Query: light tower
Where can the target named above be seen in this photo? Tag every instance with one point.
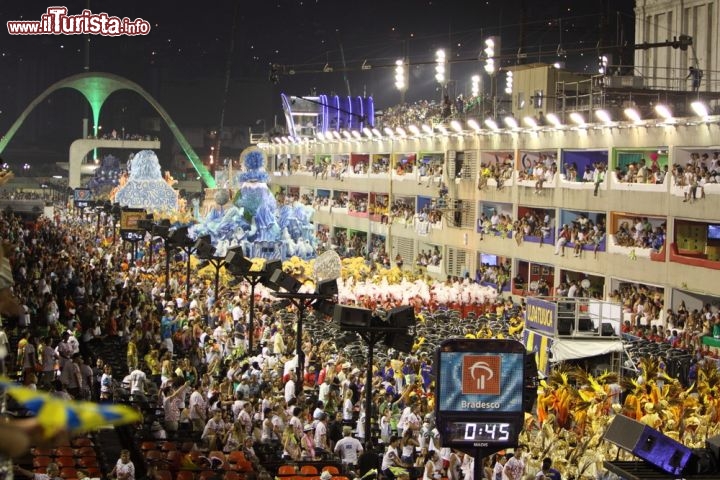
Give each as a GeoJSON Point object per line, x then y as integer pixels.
{"type": "Point", "coordinates": [401, 78]}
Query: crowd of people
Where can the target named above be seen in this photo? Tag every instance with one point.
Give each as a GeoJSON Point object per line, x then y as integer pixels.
{"type": "Point", "coordinates": [189, 356]}
{"type": "Point", "coordinates": [20, 194]}
{"type": "Point", "coordinates": [115, 135]}
{"type": "Point", "coordinates": [640, 233]}
{"type": "Point", "coordinates": [431, 257]}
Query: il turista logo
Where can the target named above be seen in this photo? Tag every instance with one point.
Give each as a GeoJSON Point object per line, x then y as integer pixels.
{"type": "Point", "coordinates": [481, 374]}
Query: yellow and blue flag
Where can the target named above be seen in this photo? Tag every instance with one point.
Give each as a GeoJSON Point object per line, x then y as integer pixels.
{"type": "Point", "coordinates": [56, 414]}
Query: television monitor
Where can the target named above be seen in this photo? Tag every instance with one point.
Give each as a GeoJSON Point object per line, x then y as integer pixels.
{"type": "Point", "coordinates": [713, 232]}
{"type": "Point", "coordinates": [486, 259]}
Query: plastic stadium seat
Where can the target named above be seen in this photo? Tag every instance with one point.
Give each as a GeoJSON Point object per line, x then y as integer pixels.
{"type": "Point", "coordinates": [41, 461]}
{"type": "Point", "coordinates": [94, 472]}
{"type": "Point", "coordinates": [65, 461]}
{"type": "Point", "coordinates": [185, 475]}
{"type": "Point", "coordinates": [173, 457]}
{"type": "Point", "coordinates": [286, 470]}
{"type": "Point", "coordinates": [68, 472]}
{"type": "Point", "coordinates": [85, 452]}
{"type": "Point", "coordinates": [168, 446]}
{"type": "Point", "coordinates": [332, 469]}
{"type": "Point", "coordinates": [82, 442]}
{"type": "Point", "coordinates": [87, 462]}
{"type": "Point", "coordinates": [308, 470]}
{"type": "Point", "coordinates": [64, 452]}
{"type": "Point", "coordinates": [208, 475]}
{"type": "Point", "coordinates": [148, 445]}
{"type": "Point", "coordinates": [43, 452]}
{"type": "Point", "coordinates": [154, 455]}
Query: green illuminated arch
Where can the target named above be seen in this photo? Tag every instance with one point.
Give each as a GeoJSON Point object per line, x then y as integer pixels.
{"type": "Point", "coordinates": [96, 87]}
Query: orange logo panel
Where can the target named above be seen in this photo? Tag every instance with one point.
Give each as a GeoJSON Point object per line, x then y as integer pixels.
{"type": "Point", "coordinates": [481, 375]}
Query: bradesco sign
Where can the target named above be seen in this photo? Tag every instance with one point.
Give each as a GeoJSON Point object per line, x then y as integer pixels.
{"type": "Point", "coordinates": [540, 315]}
{"type": "Point", "coordinates": [480, 376]}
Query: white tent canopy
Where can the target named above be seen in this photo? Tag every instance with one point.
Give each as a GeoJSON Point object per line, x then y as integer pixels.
{"type": "Point", "coordinates": [563, 350]}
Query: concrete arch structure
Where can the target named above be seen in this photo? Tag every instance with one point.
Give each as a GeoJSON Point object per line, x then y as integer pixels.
{"type": "Point", "coordinates": [80, 148]}
{"type": "Point", "coordinates": [96, 87]}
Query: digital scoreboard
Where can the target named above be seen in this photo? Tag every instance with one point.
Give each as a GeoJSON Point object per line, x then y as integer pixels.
{"type": "Point", "coordinates": [82, 197]}
{"type": "Point", "coordinates": [480, 388]}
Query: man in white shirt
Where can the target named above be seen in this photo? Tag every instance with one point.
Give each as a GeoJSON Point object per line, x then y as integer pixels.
{"type": "Point", "coordinates": [348, 448]}
{"type": "Point", "coordinates": [245, 418]}
{"type": "Point", "coordinates": [290, 388]}
{"type": "Point", "coordinates": [296, 423]}
{"type": "Point", "coordinates": [321, 440]}
{"type": "Point", "coordinates": [391, 458]}
{"type": "Point", "coordinates": [324, 390]}
{"type": "Point", "coordinates": [137, 384]}
{"type": "Point", "coordinates": [198, 410]}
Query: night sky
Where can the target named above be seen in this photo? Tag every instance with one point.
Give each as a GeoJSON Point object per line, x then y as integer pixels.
{"type": "Point", "coordinates": [184, 59]}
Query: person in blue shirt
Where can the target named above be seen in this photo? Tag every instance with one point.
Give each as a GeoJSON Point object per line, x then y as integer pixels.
{"type": "Point", "coordinates": [547, 472]}
{"type": "Point", "coordinates": [426, 371]}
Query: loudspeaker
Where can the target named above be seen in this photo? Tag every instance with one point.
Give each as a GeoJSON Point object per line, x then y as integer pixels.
{"type": "Point", "coordinates": [352, 316]}
{"type": "Point", "coordinates": [649, 444]}
{"type": "Point", "coordinates": [564, 326]}
{"type": "Point", "coordinates": [530, 381]}
{"type": "Point", "coordinates": [402, 342]}
{"type": "Point", "coordinates": [585, 324]}
{"type": "Point", "coordinates": [285, 281]}
{"type": "Point", "coordinates": [271, 266]}
{"type": "Point", "coordinates": [713, 444]}
{"type": "Point", "coordinates": [624, 432]}
{"type": "Point", "coordinates": [236, 261]}
{"type": "Point", "coordinates": [401, 317]}
{"type": "Point", "coordinates": [607, 330]}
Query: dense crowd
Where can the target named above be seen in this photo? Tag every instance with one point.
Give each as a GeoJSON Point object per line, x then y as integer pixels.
{"type": "Point", "coordinates": [640, 234]}
{"type": "Point", "coordinates": [190, 358]}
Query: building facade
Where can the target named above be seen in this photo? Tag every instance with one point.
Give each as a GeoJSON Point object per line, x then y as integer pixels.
{"type": "Point", "coordinates": [667, 68]}
{"type": "Point", "coordinates": [443, 172]}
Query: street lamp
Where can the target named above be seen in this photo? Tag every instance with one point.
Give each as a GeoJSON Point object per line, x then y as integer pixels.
{"type": "Point", "coordinates": [440, 61]}
{"type": "Point", "coordinates": [401, 78]}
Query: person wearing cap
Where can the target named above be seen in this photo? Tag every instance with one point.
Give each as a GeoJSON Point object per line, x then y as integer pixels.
{"type": "Point", "coordinates": [321, 438]}
{"type": "Point", "coordinates": [348, 448]}
{"type": "Point", "coordinates": [307, 442]}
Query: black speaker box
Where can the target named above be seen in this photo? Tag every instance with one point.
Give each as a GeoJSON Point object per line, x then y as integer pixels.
{"type": "Point", "coordinates": [713, 445]}
{"type": "Point", "coordinates": [624, 432]}
{"type": "Point", "coordinates": [351, 316]}
{"type": "Point", "coordinates": [649, 444]}
{"type": "Point", "coordinates": [608, 330]}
